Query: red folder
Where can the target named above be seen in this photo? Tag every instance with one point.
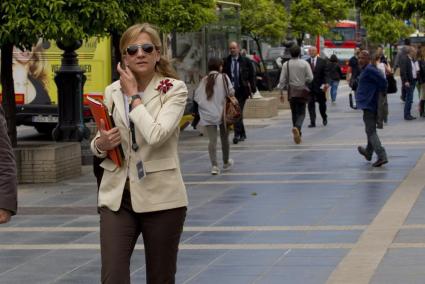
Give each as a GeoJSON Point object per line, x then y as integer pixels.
{"type": "Point", "coordinates": [100, 111]}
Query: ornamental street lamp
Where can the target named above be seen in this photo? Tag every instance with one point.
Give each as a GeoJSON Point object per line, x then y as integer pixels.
{"type": "Point", "coordinates": [70, 80]}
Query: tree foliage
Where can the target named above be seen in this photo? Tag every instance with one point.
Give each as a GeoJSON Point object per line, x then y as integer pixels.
{"type": "Point", "coordinates": [385, 28]}
{"type": "Point", "coordinates": [403, 9]}
{"type": "Point", "coordinates": [263, 19]}
{"type": "Point", "coordinates": [316, 16]}
{"type": "Point", "coordinates": [23, 22]}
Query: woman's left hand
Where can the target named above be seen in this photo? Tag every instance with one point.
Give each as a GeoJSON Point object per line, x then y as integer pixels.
{"type": "Point", "coordinates": [127, 80]}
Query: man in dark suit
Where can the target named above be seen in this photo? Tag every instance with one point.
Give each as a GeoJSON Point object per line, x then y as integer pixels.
{"type": "Point", "coordinates": [409, 75]}
{"type": "Point", "coordinates": [318, 87]}
{"type": "Point", "coordinates": [241, 71]}
{"type": "Point", "coordinates": [8, 181]}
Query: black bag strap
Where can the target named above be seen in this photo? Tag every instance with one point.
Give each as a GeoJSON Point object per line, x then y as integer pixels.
{"type": "Point", "coordinates": [287, 68]}
{"type": "Point", "coordinates": [226, 87]}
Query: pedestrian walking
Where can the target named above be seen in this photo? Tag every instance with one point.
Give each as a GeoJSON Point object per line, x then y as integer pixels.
{"type": "Point", "coordinates": [421, 80]}
{"type": "Point", "coordinates": [385, 70]}
{"type": "Point", "coordinates": [399, 60]}
{"type": "Point", "coordinates": [318, 87]}
{"type": "Point", "coordinates": [242, 74]}
{"type": "Point", "coordinates": [211, 97]}
{"type": "Point", "coordinates": [8, 179]}
{"type": "Point", "coordinates": [371, 83]}
{"type": "Point", "coordinates": [353, 70]}
{"type": "Point", "coordinates": [409, 75]}
{"type": "Point", "coordinates": [335, 75]}
{"type": "Point", "coordinates": [146, 195]}
{"type": "Point", "coordinates": [295, 72]}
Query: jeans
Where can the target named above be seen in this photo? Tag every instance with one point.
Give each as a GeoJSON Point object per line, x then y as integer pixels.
{"type": "Point", "coordinates": [373, 142]}
{"type": "Point", "coordinates": [409, 98]}
{"type": "Point", "coordinates": [212, 146]}
{"type": "Point", "coordinates": [334, 90]}
{"type": "Point", "coordinates": [298, 112]}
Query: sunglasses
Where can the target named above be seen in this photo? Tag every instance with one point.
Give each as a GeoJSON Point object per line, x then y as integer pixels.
{"type": "Point", "coordinates": [134, 48]}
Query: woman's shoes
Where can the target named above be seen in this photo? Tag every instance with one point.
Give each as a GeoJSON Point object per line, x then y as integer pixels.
{"type": "Point", "coordinates": [215, 170]}
{"type": "Point", "coordinates": [228, 165]}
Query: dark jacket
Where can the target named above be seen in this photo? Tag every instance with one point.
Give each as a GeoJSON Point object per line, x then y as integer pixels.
{"type": "Point", "coordinates": [320, 75]}
{"type": "Point", "coordinates": [8, 180]}
{"type": "Point", "coordinates": [355, 71]}
{"type": "Point", "coordinates": [421, 73]}
{"type": "Point", "coordinates": [335, 73]}
{"type": "Point", "coordinates": [371, 83]}
{"type": "Point", "coordinates": [406, 70]}
{"type": "Point", "coordinates": [246, 75]}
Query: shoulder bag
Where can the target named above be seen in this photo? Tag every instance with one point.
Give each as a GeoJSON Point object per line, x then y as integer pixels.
{"type": "Point", "coordinates": [232, 111]}
{"type": "Point", "coordinates": [392, 84]}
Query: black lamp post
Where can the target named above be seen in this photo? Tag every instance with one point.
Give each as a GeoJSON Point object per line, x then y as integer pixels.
{"type": "Point", "coordinates": [70, 80]}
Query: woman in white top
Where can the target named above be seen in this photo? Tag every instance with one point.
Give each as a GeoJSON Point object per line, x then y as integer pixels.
{"type": "Point", "coordinates": [211, 97]}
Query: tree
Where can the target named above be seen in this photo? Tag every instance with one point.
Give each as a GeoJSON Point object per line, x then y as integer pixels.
{"type": "Point", "coordinates": [22, 23]}
{"type": "Point", "coordinates": [263, 20]}
{"type": "Point", "coordinates": [384, 28]}
{"type": "Point", "coordinates": [168, 15]}
{"type": "Point", "coordinates": [316, 16]}
{"type": "Point", "coordinates": [403, 9]}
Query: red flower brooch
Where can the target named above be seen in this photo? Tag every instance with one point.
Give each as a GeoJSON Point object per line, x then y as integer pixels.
{"type": "Point", "coordinates": [164, 86]}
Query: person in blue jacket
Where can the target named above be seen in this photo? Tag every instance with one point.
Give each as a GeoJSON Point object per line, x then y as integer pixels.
{"type": "Point", "coordinates": [371, 83]}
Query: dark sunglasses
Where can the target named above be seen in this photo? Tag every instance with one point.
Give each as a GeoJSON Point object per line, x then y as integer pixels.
{"type": "Point", "coordinates": [147, 48]}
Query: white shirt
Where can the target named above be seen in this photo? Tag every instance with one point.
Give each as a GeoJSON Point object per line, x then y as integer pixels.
{"type": "Point", "coordinates": [127, 107]}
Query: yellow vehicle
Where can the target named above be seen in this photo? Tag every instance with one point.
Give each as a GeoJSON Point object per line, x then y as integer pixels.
{"type": "Point", "coordinates": [36, 91]}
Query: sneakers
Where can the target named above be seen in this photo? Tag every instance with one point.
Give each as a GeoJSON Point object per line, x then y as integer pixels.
{"type": "Point", "coordinates": [297, 135]}
{"type": "Point", "coordinates": [215, 170]}
{"type": "Point", "coordinates": [228, 165]}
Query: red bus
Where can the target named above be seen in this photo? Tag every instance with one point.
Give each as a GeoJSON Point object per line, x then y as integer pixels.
{"type": "Point", "coordinates": [341, 40]}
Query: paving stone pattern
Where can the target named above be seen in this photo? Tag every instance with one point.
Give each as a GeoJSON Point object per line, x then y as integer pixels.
{"type": "Point", "coordinates": [284, 213]}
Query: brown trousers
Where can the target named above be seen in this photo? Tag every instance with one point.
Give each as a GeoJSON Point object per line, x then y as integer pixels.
{"type": "Point", "coordinates": [119, 231]}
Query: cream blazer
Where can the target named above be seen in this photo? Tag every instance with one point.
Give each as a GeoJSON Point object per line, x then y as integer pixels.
{"type": "Point", "coordinates": [157, 132]}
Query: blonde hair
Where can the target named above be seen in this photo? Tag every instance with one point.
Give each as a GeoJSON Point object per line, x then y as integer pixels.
{"type": "Point", "coordinates": [164, 66]}
{"type": "Point", "coordinates": [37, 65]}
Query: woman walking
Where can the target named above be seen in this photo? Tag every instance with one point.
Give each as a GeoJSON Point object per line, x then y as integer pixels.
{"type": "Point", "coordinates": [211, 97]}
{"type": "Point", "coordinates": [335, 75]}
{"type": "Point", "coordinates": [146, 195]}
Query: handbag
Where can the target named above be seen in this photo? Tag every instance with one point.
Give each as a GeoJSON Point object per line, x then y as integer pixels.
{"type": "Point", "coordinates": [232, 111]}
{"type": "Point", "coordinates": [300, 92]}
{"type": "Point", "coordinates": [392, 84]}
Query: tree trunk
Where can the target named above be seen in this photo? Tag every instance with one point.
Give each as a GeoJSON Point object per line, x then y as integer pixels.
{"type": "Point", "coordinates": [8, 100]}
{"type": "Point", "coordinates": [266, 74]}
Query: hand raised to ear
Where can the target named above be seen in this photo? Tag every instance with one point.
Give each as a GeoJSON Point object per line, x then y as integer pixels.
{"type": "Point", "coordinates": [127, 80]}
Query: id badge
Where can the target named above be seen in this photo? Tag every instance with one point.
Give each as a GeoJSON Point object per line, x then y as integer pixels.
{"type": "Point", "coordinates": [140, 170]}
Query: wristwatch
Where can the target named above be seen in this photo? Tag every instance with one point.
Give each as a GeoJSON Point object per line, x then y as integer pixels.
{"type": "Point", "coordinates": [134, 97]}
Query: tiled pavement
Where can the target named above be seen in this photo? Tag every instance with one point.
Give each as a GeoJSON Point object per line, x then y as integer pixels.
{"type": "Point", "coordinates": [310, 213]}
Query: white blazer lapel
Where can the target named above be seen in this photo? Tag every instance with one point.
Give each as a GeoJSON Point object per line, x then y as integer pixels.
{"type": "Point", "coordinates": [150, 91]}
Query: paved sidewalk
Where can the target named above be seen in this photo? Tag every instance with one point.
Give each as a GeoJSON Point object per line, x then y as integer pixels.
{"type": "Point", "coordinates": [310, 213]}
